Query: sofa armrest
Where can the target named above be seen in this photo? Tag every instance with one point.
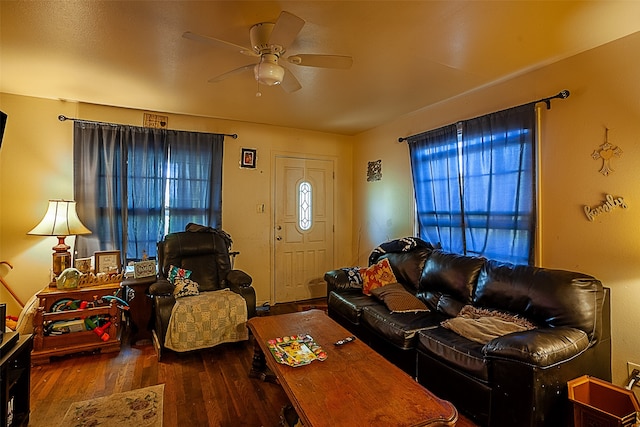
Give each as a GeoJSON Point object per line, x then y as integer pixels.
{"type": "Point", "coordinates": [338, 280]}
{"type": "Point", "coordinates": [238, 278]}
{"type": "Point", "coordinates": [539, 347]}
{"type": "Point", "coordinates": [249, 295]}
{"type": "Point", "coordinates": [162, 287]}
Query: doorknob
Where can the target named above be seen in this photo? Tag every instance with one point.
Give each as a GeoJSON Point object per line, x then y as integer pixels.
{"type": "Point", "coordinates": [278, 238]}
{"type": "Point", "coordinates": [278, 228]}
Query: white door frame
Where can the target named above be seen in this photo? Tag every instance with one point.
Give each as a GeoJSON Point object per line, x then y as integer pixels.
{"type": "Point", "coordinates": [293, 155]}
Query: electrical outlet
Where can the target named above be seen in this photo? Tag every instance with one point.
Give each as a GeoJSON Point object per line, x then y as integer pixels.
{"type": "Point", "coordinates": [630, 367]}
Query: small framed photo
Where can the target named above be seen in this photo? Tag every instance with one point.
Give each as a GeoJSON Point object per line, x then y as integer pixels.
{"type": "Point", "coordinates": [108, 262]}
{"type": "Point", "coordinates": [144, 269]}
{"type": "Point", "coordinates": [83, 265]}
{"type": "Point", "coordinates": [248, 158]}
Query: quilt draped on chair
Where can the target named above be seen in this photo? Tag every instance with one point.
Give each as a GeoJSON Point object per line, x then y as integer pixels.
{"type": "Point", "coordinates": [206, 320]}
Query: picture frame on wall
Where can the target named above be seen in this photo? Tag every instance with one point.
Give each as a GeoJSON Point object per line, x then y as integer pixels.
{"type": "Point", "coordinates": [108, 262]}
{"type": "Point", "coordinates": [248, 158]}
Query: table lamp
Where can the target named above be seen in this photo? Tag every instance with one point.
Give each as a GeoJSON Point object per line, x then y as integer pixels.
{"type": "Point", "coordinates": [61, 220]}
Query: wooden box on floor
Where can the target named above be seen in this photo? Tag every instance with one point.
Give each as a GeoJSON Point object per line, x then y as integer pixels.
{"type": "Point", "coordinates": [74, 342]}
{"type": "Point", "coordinates": [602, 404]}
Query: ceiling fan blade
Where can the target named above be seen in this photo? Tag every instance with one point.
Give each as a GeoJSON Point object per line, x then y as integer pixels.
{"type": "Point", "coordinates": [231, 73]}
{"type": "Point", "coordinates": [286, 29]}
{"type": "Point", "coordinates": [322, 61]}
{"type": "Point", "coordinates": [218, 43]}
{"type": "Point", "coordinates": [290, 83]}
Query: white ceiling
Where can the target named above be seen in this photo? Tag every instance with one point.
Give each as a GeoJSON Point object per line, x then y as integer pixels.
{"type": "Point", "coordinates": [407, 55]}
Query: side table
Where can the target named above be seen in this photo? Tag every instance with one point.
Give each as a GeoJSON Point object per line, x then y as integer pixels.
{"type": "Point", "coordinates": [15, 379]}
{"type": "Point", "coordinates": [140, 308]}
{"type": "Point", "coordinates": [74, 342]}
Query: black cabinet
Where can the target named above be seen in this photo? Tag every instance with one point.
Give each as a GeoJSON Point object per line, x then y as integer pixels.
{"type": "Point", "coordinates": [15, 376]}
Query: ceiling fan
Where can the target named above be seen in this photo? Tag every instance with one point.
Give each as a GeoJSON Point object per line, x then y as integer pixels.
{"type": "Point", "coordinates": [269, 42]}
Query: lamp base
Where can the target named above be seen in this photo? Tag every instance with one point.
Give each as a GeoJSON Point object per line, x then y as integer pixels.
{"type": "Point", "coordinates": [61, 259]}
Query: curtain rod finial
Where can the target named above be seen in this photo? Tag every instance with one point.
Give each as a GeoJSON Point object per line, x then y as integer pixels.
{"type": "Point", "coordinates": [62, 118]}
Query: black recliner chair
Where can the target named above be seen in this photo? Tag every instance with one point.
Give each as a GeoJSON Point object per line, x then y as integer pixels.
{"type": "Point", "coordinates": [206, 252]}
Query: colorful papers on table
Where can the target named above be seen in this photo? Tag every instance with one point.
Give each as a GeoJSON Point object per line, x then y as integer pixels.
{"type": "Point", "coordinates": [296, 350]}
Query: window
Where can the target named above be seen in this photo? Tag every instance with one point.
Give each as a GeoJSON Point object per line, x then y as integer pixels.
{"type": "Point", "coordinates": [304, 205]}
{"type": "Point", "coordinates": [134, 185]}
{"type": "Point", "coordinates": [474, 185]}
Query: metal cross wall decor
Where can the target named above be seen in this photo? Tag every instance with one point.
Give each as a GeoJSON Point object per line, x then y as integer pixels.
{"type": "Point", "coordinates": [606, 152]}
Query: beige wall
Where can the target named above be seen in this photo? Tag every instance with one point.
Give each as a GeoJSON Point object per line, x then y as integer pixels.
{"type": "Point", "coordinates": [36, 165]}
{"type": "Point", "coordinates": [605, 92]}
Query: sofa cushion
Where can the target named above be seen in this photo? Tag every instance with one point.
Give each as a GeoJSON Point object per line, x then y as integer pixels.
{"type": "Point", "coordinates": [398, 328]}
{"type": "Point", "coordinates": [548, 297]}
{"type": "Point", "coordinates": [408, 266]}
{"type": "Point", "coordinates": [348, 304]}
{"type": "Point", "coordinates": [451, 274]}
{"type": "Point", "coordinates": [454, 350]}
{"type": "Point", "coordinates": [204, 271]}
{"type": "Point", "coordinates": [398, 299]}
{"type": "Point", "coordinates": [445, 304]}
{"type": "Point", "coordinates": [377, 275]}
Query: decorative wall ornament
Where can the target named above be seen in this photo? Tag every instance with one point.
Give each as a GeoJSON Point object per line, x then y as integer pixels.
{"type": "Point", "coordinates": [374, 171]}
{"type": "Point", "coordinates": [606, 152]}
{"type": "Point", "coordinates": [155, 121]}
{"type": "Point", "coordinates": [606, 207]}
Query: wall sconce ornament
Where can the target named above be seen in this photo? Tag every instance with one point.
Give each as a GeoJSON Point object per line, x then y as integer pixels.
{"type": "Point", "coordinates": [606, 152]}
{"type": "Point", "coordinates": [606, 207]}
{"type": "Point", "coordinates": [374, 171]}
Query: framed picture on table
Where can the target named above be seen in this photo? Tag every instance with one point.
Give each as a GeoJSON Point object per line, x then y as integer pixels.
{"type": "Point", "coordinates": [248, 158]}
{"type": "Point", "coordinates": [83, 264]}
{"type": "Point", "coordinates": [108, 262]}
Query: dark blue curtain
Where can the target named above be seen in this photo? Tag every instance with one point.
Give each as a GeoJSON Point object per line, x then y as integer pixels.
{"type": "Point", "coordinates": [134, 184]}
{"type": "Point", "coordinates": [436, 182]}
{"type": "Point", "coordinates": [195, 162]}
{"type": "Point", "coordinates": [499, 184]}
{"type": "Point", "coordinates": [475, 185]}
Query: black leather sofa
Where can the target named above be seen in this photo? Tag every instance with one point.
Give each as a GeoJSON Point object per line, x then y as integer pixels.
{"type": "Point", "coordinates": [519, 379]}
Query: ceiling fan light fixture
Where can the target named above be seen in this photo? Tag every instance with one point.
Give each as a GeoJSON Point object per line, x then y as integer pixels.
{"type": "Point", "coordinates": [268, 72]}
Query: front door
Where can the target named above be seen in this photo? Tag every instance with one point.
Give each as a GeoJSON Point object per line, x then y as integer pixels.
{"type": "Point", "coordinates": [303, 227]}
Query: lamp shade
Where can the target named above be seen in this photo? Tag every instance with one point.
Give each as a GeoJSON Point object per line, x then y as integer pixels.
{"type": "Point", "coordinates": [61, 219]}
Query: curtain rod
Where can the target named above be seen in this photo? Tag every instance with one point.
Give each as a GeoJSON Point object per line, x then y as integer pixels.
{"type": "Point", "coordinates": [562, 95]}
{"type": "Point", "coordinates": [62, 118]}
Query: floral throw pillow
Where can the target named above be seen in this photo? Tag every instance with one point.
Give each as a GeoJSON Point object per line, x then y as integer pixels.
{"type": "Point", "coordinates": [175, 272]}
{"type": "Point", "coordinates": [185, 287]}
{"type": "Point", "coordinates": [377, 275]}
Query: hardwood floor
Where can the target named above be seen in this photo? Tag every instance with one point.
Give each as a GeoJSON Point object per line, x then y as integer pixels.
{"type": "Point", "coordinates": [203, 388]}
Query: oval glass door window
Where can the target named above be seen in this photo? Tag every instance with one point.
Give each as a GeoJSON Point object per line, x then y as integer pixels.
{"type": "Point", "coordinates": [304, 208]}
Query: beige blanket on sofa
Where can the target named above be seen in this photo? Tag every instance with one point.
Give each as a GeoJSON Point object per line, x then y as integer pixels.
{"type": "Point", "coordinates": [207, 319]}
{"type": "Point", "coordinates": [483, 325]}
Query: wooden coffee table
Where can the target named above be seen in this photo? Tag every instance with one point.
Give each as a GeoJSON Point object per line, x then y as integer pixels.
{"type": "Point", "coordinates": [354, 386]}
